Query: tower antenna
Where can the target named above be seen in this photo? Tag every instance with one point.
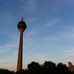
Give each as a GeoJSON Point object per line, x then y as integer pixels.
{"type": "Point", "coordinates": [22, 19]}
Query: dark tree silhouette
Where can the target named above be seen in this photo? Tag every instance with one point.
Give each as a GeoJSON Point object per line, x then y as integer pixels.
{"type": "Point", "coordinates": [34, 67]}
{"type": "Point", "coordinates": [47, 68]}
{"type": "Point", "coordinates": [62, 69]}
{"type": "Point", "coordinates": [5, 71]}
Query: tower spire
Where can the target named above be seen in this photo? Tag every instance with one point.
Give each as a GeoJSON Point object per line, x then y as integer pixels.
{"type": "Point", "coordinates": [22, 19]}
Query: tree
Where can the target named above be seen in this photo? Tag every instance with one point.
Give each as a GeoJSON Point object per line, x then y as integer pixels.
{"type": "Point", "coordinates": [62, 69]}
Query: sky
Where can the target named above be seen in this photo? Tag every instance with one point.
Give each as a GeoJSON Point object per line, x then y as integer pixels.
{"type": "Point", "coordinates": [49, 34]}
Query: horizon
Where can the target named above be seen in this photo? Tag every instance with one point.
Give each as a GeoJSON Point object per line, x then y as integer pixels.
{"type": "Point", "coordinates": [49, 34]}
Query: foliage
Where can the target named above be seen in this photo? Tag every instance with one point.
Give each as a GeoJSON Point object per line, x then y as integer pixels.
{"type": "Point", "coordinates": [47, 68]}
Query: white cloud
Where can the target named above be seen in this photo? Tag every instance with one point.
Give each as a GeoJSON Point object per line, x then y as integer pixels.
{"type": "Point", "coordinates": [69, 53]}
{"type": "Point", "coordinates": [52, 23]}
{"type": "Point", "coordinates": [68, 32]}
{"type": "Point", "coordinates": [29, 7]}
{"type": "Point", "coordinates": [40, 58]}
{"type": "Point", "coordinates": [34, 34]}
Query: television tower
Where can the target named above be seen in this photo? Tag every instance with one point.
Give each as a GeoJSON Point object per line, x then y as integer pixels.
{"type": "Point", "coordinates": [21, 27]}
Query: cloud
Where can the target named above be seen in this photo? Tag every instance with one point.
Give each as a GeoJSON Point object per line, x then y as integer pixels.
{"type": "Point", "coordinates": [70, 1]}
{"type": "Point", "coordinates": [8, 56]}
{"type": "Point", "coordinates": [52, 23]}
{"type": "Point", "coordinates": [42, 33]}
{"type": "Point", "coordinates": [69, 36]}
{"type": "Point", "coordinates": [28, 7]}
{"type": "Point", "coordinates": [68, 32]}
{"type": "Point", "coordinates": [40, 58]}
{"type": "Point", "coordinates": [69, 53]}
{"type": "Point", "coordinates": [8, 50]}
{"type": "Point", "coordinates": [36, 34]}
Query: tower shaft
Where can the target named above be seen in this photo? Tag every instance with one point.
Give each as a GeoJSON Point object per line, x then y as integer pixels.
{"type": "Point", "coordinates": [20, 53]}
{"type": "Point", "coordinates": [21, 27]}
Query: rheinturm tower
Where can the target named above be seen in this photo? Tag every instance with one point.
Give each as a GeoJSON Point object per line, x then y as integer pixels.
{"type": "Point", "coordinates": [21, 27]}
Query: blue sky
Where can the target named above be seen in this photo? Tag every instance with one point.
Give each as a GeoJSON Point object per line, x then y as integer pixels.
{"type": "Point", "coordinates": [49, 34]}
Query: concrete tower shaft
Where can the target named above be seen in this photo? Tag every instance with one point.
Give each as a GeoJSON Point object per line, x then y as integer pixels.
{"type": "Point", "coordinates": [21, 26]}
